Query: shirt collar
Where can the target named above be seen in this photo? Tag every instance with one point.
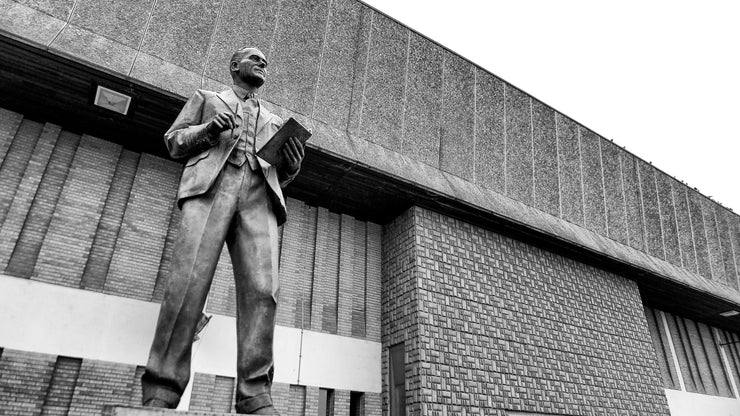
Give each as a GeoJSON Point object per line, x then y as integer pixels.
{"type": "Point", "coordinates": [242, 93]}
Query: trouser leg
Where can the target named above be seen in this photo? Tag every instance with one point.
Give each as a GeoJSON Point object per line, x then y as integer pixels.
{"type": "Point", "coordinates": [203, 227]}
{"type": "Point", "coordinates": [254, 255]}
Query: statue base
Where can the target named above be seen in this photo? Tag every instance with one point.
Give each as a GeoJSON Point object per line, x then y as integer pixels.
{"type": "Point", "coordinates": [124, 410]}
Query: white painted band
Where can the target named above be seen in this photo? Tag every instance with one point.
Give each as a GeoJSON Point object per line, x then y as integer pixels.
{"type": "Point", "coordinates": [683, 403]}
{"type": "Point", "coordinates": [52, 319]}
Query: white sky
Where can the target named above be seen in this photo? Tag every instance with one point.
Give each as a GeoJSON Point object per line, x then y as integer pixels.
{"type": "Point", "coordinates": [661, 78]}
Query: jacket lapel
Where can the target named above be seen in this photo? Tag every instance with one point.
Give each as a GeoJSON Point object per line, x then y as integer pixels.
{"type": "Point", "coordinates": [264, 118]}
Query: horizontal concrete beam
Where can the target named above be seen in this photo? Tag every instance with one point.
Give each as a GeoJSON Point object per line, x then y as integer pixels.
{"type": "Point", "coordinates": [51, 319]}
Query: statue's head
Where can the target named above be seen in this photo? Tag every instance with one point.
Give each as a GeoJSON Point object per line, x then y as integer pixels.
{"type": "Point", "coordinates": [248, 65]}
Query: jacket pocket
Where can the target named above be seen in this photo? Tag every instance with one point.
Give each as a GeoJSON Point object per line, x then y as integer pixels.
{"type": "Point", "coordinates": [195, 159]}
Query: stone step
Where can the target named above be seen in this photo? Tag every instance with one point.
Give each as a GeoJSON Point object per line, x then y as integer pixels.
{"type": "Point", "coordinates": [124, 410]}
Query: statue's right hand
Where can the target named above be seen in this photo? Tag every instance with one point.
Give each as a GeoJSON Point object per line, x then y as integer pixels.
{"type": "Point", "coordinates": [221, 121]}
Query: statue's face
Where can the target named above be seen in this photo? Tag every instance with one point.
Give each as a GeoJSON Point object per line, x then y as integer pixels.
{"type": "Point", "coordinates": [252, 68]}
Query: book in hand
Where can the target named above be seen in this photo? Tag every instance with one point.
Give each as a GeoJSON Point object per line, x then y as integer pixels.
{"type": "Point", "coordinates": [272, 151]}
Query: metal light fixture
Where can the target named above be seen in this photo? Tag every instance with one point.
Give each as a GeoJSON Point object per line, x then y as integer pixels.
{"type": "Point", "coordinates": [112, 100]}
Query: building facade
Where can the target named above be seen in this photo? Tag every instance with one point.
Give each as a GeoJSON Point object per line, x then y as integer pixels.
{"type": "Point", "coordinates": [454, 246]}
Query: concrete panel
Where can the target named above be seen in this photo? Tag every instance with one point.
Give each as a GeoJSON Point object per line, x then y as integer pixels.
{"type": "Point", "coordinates": [519, 174]}
{"type": "Point", "coordinates": [668, 219]}
{"type": "Point", "coordinates": [180, 32]}
{"type": "Point", "coordinates": [546, 185]}
{"type": "Point", "coordinates": [241, 23]}
{"type": "Point", "coordinates": [713, 243]}
{"type": "Point", "coordinates": [340, 362]}
{"type": "Point", "coordinates": [295, 55]}
{"type": "Point", "coordinates": [734, 225]}
{"type": "Point", "coordinates": [74, 322]}
{"type": "Point", "coordinates": [683, 220]}
{"type": "Point", "coordinates": [490, 138]}
{"type": "Point", "coordinates": [633, 201]}
{"type": "Point", "coordinates": [30, 24]}
{"type": "Point", "coordinates": [683, 403]}
{"type": "Point", "coordinates": [123, 21]}
{"type": "Point", "coordinates": [569, 170]}
{"type": "Point", "coordinates": [95, 48]}
{"type": "Point", "coordinates": [614, 192]}
{"type": "Point", "coordinates": [594, 214]}
{"type": "Point", "coordinates": [360, 71]}
{"type": "Point", "coordinates": [211, 84]}
{"type": "Point", "coordinates": [700, 233]}
{"type": "Point", "coordinates": [339, 59]}
{"type": "Point", "coordinates": [723, 227]}
{"type": "Point", "coordinates": [651, 211]}
{"type": "Point", "coordinates": [217, 350]}
{"type": "Point", "coordinates": [56, 8]}
{"type": "Point", "coordinates": [381, 114]}
{"type": "Point", "coordinates": [457, 149]}
{"type": "Point", "coordinates": [165, 75]}
{"type": "Point", "coordinates": [424, 102]}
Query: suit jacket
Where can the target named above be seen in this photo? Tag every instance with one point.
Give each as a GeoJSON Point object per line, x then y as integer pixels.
{"type": "Point", "coordinates": [187, 138]}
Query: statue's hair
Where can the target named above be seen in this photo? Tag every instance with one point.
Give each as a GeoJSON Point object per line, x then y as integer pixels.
{"type": "Point", "coordinates": [239, 54]}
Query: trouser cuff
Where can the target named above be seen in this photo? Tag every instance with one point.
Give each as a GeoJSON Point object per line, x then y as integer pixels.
{"type": "Point", "coordinates": [252, 404]}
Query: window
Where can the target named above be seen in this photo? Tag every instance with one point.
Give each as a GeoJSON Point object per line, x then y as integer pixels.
{"type": "Point", "coordinates": [356, 404]}
{"type": "Point", "coordinates": [397, 373]}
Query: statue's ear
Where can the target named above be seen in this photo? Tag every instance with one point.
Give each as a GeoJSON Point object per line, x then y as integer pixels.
{"type": "Point", "coordinates": [234, 66]}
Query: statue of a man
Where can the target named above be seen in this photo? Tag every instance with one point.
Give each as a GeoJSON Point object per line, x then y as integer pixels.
{"type": "Point", "coordinates": [226, 194]}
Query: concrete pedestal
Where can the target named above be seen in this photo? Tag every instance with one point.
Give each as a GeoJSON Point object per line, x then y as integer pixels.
{"type": "Point", "coordinates": [123, 410]}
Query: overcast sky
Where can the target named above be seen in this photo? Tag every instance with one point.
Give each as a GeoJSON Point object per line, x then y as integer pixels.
{"type": "Point", "coordinates": [661, 78]}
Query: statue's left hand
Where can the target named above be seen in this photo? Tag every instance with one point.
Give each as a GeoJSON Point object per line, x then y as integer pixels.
{"type": "Point", "coordinates": [293, 153]}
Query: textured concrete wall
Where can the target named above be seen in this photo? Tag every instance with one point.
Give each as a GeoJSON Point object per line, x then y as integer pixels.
{"type": "Point", "coordinates": [492, 324]}
{"type": "Point", "coordinates": [381, 94]}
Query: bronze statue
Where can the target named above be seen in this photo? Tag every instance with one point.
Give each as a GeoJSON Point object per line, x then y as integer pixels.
{"type": "Point", "coordinates": [226, 194]}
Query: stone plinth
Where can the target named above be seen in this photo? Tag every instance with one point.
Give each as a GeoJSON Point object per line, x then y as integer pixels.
{"type": "Point", "coordinates": [123, 410]}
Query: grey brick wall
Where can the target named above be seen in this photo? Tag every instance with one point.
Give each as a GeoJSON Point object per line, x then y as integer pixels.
{"type": "Point", "coordinates": [34, 384]}
{"type": "Point", "coordinates": [82, 212]}
{"type": "Point", "coordinates": [491, 323]}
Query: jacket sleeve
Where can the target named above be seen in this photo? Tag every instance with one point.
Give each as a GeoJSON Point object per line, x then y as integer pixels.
{"type": "Point", "coordinates": [188, 136]}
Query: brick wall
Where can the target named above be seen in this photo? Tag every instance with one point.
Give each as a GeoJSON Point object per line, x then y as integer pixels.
{"type": "Point", "coordinates": [83, 212]}
{"type": "Point", "coordinates": [493, 323]}
{"type": "Point", "coordinates": [212, 393]}
{"type": "Point", "coordinates": [41, 385]}
{"type": "Point", "coordinates": [24, 380]}
{"type": "Point", "coordinates": [400, 305]}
